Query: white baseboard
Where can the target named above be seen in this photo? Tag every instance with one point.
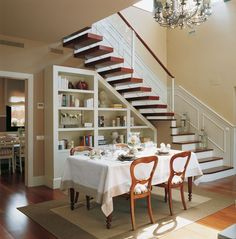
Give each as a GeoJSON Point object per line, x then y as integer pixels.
{"type": "Point", "coordinates": [37, 181]}
{"type": "Point", "coordinates": [53, 183]}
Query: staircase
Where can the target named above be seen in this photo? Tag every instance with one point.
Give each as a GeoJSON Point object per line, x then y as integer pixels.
{"type": "Point", "coordinates": [110, 66]}
{"type": "Point", "coordinates": [87, 46]}
{"type": "Point", "coordinates": [211, 165]}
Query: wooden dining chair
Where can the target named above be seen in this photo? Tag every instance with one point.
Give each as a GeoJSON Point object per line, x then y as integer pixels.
{"type": "Point", "coordinates": [7, 153]}
{"type": "Point", "coordinates": [74, 197]}
{"type": "Point", "coordinates": [20, 154]}
{"type": "Point", "coordinates": [176, 178]}
{"type": "Point", "coordinates": [80, 149]}
{"type": "Point", "coordinates": [141, 188]}
{"type": "Point", "coordinates": [122, 145]}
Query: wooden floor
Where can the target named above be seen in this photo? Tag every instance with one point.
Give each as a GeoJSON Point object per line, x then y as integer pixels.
{"type": "Point", "coordinates": [14, 224]}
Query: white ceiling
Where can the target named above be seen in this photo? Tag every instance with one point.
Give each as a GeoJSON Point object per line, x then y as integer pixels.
{"type": "Point", "coordinates": [50, 20]}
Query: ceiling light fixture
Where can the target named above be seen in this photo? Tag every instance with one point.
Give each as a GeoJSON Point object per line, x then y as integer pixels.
{"type": "Point", "coordinates": [181, 13]}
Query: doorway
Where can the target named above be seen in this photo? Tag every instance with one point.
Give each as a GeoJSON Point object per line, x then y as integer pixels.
{"type": "Point", "coordinates": [18, 121]}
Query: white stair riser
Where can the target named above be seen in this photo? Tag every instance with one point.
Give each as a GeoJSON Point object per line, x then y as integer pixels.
{"type": "Point", "coordinates": [174, 130]}
{"type": "Point", "coordinates": [211, 164]}
{"type": "Point", "coordinates": [215, 176]}
{"type": "Point", "coordinates": [186, 147]}
{"type": "Point", "coordinates": [204, 154]}
{"type": "Point", "coordinates": [173, 123]}
{"type": "Point", "coordinates": [180, 138]}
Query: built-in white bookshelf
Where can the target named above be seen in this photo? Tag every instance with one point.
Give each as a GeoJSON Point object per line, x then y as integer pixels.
{"type": "Point", "coordinates": [77, 116]}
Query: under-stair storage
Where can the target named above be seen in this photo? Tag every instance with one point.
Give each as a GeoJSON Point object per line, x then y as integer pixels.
{"type": "Point", "coordinates": [82, 108]}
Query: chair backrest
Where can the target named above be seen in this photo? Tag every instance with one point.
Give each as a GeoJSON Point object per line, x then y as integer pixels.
{"type": "Point", "coordinates": [80, 149]}
{"type": "Point", "coordinates": [22, 145]}
{"type": "Point", "coordinates": [148, 180]}
{"type": "Point", "coordinates": [6, 150]}
{"type": "Point", "coordinates": [180, 174]}
{"type": "Point", "coordinates": [121, 145]}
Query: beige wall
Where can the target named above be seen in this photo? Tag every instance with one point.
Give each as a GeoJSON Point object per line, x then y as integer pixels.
{"type": "Point", "coordinates": [2, 99]}
{"type": "Point", "coordinates": [33, 59]}
{"type": "Point", "coordinates": [204, 62]}
{"type": "Point", "coordinates": [154, 35]}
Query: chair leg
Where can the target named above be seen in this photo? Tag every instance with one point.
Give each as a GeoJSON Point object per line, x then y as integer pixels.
{"type": "Point", "coordinates": [20, 164]}
{"type": "Point", "coordinates": [182, 196]}
{"type": "Point", "coordinates": [9, 166]}
{"type": "Point", "coordinates": [149, 205]}
{"type": "Point", "coordinates": [170, 200]}
{"type": "Point", "coordinates": [13, 165]}
{"type": "Point", "coordinates": [88, 202]}
{"type": "Point", "coordinates": [76, 197]}
{"type": "Point", "coordinates": [132, 213]}
{"type": "Point", "coordinates": [165, 194]}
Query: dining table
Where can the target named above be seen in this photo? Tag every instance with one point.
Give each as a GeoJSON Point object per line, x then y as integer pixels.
{"type": "Point", "coordinates": [104, 177]}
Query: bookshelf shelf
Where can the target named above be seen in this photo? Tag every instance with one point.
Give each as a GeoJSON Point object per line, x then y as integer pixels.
{"type": "Point", "coordinates": [76, 91]}
{"type": "Point", "coordinates": [112, 128]}
{"type": "Point", "coordinates": [74, 129]}
{"type": "Point", "coordinates": [75, 108]}
{"type": "Point", "coordinates": [112, 109]}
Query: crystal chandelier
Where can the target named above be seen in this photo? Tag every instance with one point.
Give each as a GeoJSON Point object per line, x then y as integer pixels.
{"type": "Point", "coordinates": [181, 13]}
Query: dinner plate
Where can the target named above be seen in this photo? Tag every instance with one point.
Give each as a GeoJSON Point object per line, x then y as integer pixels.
{"type": "Point", "coordinates": [162, 153]}
{"type": "Point", "coordinates": [128, 157]}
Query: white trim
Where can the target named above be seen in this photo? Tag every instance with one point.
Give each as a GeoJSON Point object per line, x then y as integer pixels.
{"type": "Point", "coordinates": [210, 109]}
{"type": "Point", "coordinates": [29, 124]}
{"type": "Point", "coordinates": [218, 126]}
{"type": "Point", "coordinates": [37, 181]}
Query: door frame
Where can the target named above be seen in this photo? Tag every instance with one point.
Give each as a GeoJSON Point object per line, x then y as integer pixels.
{"type": "Point", "coordinates": [29, 125]}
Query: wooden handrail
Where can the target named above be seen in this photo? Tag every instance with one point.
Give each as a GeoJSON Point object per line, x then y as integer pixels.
{"type": "Point", "coordinates": [145, 44]}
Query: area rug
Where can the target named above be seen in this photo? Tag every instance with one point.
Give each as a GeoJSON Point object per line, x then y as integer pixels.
{"type": "Point", "coordinates": [57, 218]}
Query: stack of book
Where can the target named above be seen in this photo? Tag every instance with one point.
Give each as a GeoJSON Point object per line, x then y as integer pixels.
{"type": "Point", "coordinates": [86, 140]}
{"type": "Point", "coordinates": [66, 100]}
{"type": "Point", "coordinates": [88, 103]}
{"type": "Point", "coordinates": [119, 106]}
{"type": "Point", "coordinates": [62, 83]}
{"type": "Point", "coordinates": [101, 140]}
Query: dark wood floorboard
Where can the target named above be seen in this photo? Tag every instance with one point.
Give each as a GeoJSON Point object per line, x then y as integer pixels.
{"type": "Point", "coordinates": [15, 225]}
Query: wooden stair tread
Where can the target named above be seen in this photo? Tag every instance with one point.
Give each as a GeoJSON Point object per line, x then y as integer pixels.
{"type": "Point", "coordinates": [75, 33]}
{"type": "Point", "coordinates": [159, 114]}
{"type": "Point", "coordinates": [135, 89]}
{"type": "Point", "coordinates": [216, 169]}
{"type": "Point", "coordinates": [83, 41]}
{"type": "Point", "coordinates": [143, 98]}
{"type": "Point", "coordinates": [156, 106]}
{"type": "Point", "coordinates": [187, 142]}
{"type": "Point", "coordinates": [104, 62]}
{"type": "Point", "coordinates": [209, 159]}
{"type": "Point", "coordinates": [129, 80]}
{"type": "Point", "coordinates": [180, 134]}
{"type": "Point", "coordinates": [94, 52]}
{"type": "Point", "coordinates": [201, 150]}
{"type": "Point", "coordinates": [116, 72]}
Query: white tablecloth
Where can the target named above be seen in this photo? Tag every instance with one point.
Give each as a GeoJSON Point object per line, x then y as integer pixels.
{"type": "Point", "coordinates": [107, 177]}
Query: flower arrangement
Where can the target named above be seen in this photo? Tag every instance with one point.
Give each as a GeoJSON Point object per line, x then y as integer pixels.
{"type": "Point", "coordinates": [133, 139]}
